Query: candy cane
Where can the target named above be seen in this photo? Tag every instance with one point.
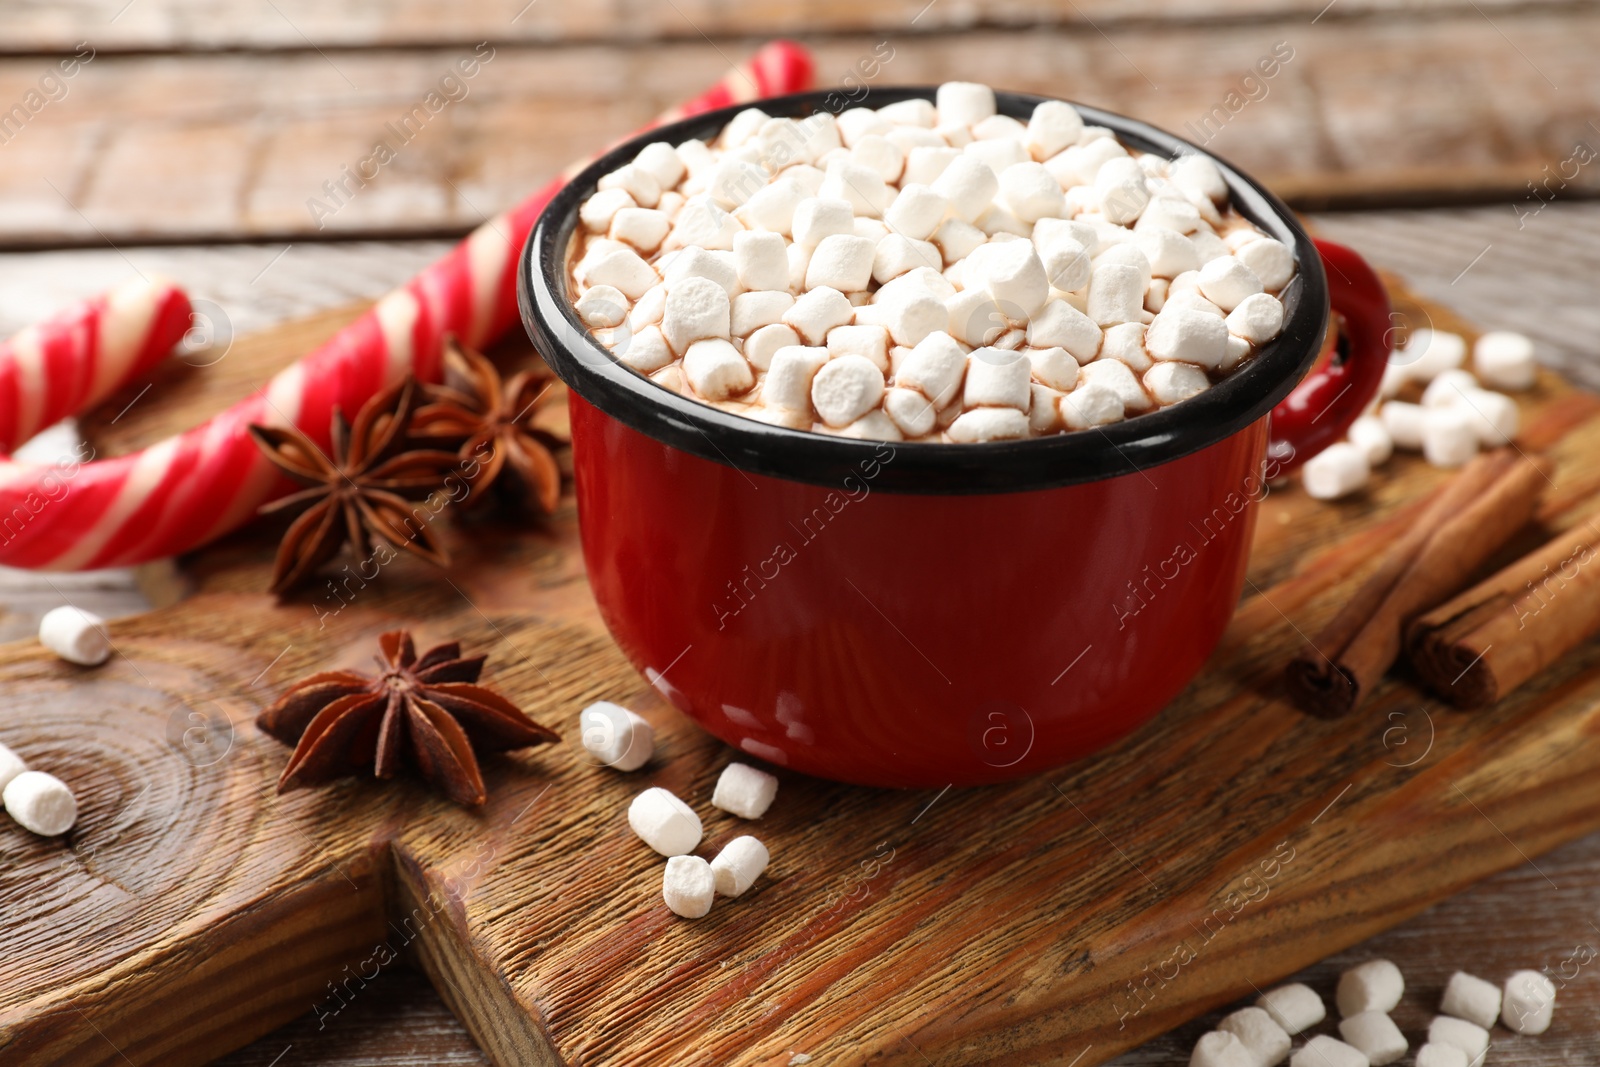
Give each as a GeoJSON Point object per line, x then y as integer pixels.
{"type": "Point", "coordinates": [82, 355]}
{"type": "Point", "coordinates": [188, 489]}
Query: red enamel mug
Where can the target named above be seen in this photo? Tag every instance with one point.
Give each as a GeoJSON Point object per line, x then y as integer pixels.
{"type": "Point", "coordinates": [922, 615]}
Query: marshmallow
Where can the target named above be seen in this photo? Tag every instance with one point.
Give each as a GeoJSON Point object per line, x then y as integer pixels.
{"type": "Point", "coordinates": [1090, 405]}
{"type": "Point", "coordinates": [696, 156]}
{"type": "Point", "coordinates": [41, 803]}
{"type": "Point", "coordinates": [913, 112]}
{"type": "Point", "coordinates": [738, 865]}
{"type": "Point", "coordinates": [1325, 1051]}
{"type": "Point", "coordinates": [642, 228]}
{"type": "Point", "coordinates": [1187, 335]}
{"type": "Point", "coordinates": [1269, 260]}
{"type": "Point", "coordinates": [1528, 1003]}
{"type": "Point", "coordinates": [816, 218]}
{"type": "Point", "coordinates": [912, 316]}
{"type": "Point", "coordinates": [1505, 360]}
{"type": "Point", "coordinates": [719, 266]}
{"type": "Point", "coordinates": [1079, 164]}
{"type": "Point", "coordinates": [953, 134]}
{"type": "Point", "coordinates": [1120, 184]}
{"type": "Point", "coordinates": [1470, 1038]}
{"type": "Point", "coordinates": [1404, 423]}
{"type": "Point", "coordinates": [869, 342]}
{"type": "Point", "coordinates": [969, 186]}
{"type": "Point", "coordinates": [1053, 126]}
{"type": "Point", "coordinates": [1031, 192]}
{"type": "Point", "coordinates": [1195, 173]}
{"type": "Point", "coordinates": [1116, 376]}
{"type": "Point", "coordinates": [688, 886]}
{"type": "Point", "coordinates": [636, 181]}
{"type": "Point", "coordinates": [1169, 382]}
{"type": "Point", "coordinates": [1226, 282]}
{"type": "Point", "coordinates": [879, 155]}
{"type": "Point", "coordinates": [616, 736]}
{"type": "Point", "coordinates": [662, 162]}
{"type": "Point", "coordinates": [817, 312]}
{"type": "Point", "coordinates": [862, 186]}
{"type": "Point", "coordinates": [1116, 294]}
{"type": "Point", "coordinates": [1155, 297]}
{"type": "Point", "coordinates": [600, 209]}
{"type": "Point", "coordinates": [788, 383]}
{"type": "Point", "coordinates": [772, 208]}
{"type": "Point", "coordinates": [858, 122]}
{"type": "Point", "coordinates": [1054, 367]}
{"type": "Point", "coordinates": [743, 126]}
{"type": "Point", "coordinates": [1429, 353]}
{"type": "Point", "coordinates": [1044, 409]}
{"type": "Point", "coordinates": [966, 103]}
{"type": "Point", "coordinates": [799, 258]}
{"type": "Point", "coordinates": [1471, 998]}
{"type": "Point", "coordinates": [664, 822]}
{"type": "Point", "coordinates": [1169, 253]}
{"type": "Point", "coordinates": [1375, 1036]}
{"type": "Point", "coordinates": [761, 346]}
{"type": "Point", "coordinates": [1220, 1048]}
{"type": "Point", "coordinates": [846, 389]}
{"type": "Point", "coordinates": [1494, 416]}
{"type": "Point", "coordinates": [670, 204]}
{"type": "Point", "coordinates": [925, 163]}
{"type": "Point", "coordinates": [702, 223]}
{"type": "Point", "coordinates": [11, 765]}
{"type": "Point", "coordinates": [671, 378]}
{"type": "Point", "coordinates": [916, 212]}
{"type": "Point", "coordinates": [1372, 986]}
{"type": "Point", "coordinates": [1257, 318]}
{"type": "Point", "coordinates": [998, 220]}
{"type": "Point", "coordinates": [841, 262]}
{"type": "Point", "coordinates": [974, 318]}
{"type": "Point", "coordinates": [1169, 213]}
{"type": "Point", "coordinates": [999, 378]}
{"type": "Point", "coordinates": [897, 255]}
{"type": "Point", "coordinates": [716, 370]}
{"type": "Point", "coordinates": [1263, 1038]}
{"type": "Point", "coordinates": [999, 128]}
{"type": "Point", "coordinates": [761, 260]}
{"type": "Point", "coordinates": [909, 410]}
{"type": "Point", "coordinates": [623, 270]}
{"type": "Point", "coordinates": [697, 308]}
{"type": "Point", "coordinates": [79, 636]}
{"type": "Point", "coordinates": [988, 424]}
{"type": "Point", "coordinates": [1013, 276]}
{"type": "Point", "coordinates": [1294, 1007]}
{"type": "Point", "coordinates": [600, 308]}
{"type": "Point", "coordinates": [1431, 1055]}
{"type": "Point", "coordinates": [1448, 388]}
{"type": "Point", "coordinates": [1126, 344]}
{"type": "Point", "coordinates": [1449, 436]}
{"type": "Point", "coordinates": [752, 311]}
{"type": "Point", "coordinates": [1367, 433]}
{"type": "Point", "coordinates": [935, 369]}
{"type": "Point", "coordinates": [744, 791]}
{"type": "Point", "coordinates": [1066, 264]}
{"type": "Point", "coordinates": [646, 350]}
{"type": "Point", "coordinates": [958, 239]}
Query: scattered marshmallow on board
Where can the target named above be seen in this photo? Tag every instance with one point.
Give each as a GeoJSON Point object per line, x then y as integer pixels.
{"type": "Point", "coordinates": [41, 803]}
{"type": "Point", "coordinates": [75, 635]}
{"type": "Point", "coordinates": [616, 736]}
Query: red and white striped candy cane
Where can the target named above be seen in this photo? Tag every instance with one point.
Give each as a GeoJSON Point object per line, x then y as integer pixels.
{"type": "Point", "coordinates": [77, 358]}
{"type": "Point", "coordinates": [186, 490]}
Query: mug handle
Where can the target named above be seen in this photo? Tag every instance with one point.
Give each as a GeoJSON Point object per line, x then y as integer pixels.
{"type": "Point", "coordinates": [1323, 406]}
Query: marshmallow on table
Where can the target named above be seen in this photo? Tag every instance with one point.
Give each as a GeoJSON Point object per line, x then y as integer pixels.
{"type": "Point", "coordinates": [846, 389]}
{"type": "Point", "coordinates": [1221, 1049]}
{"type": "Point", "coordinates": [1403, 422]}
{"type": "Point", "coordinates": [1528, 1003]}
{"type": "Point", "coordinates": [1325, 1051]}
{"type": "Point", "coordinates": [738, 865]}
{"type": "Point", "coordinates": [1376, 985]}
{"type": "Point", "coordinates": [1449, 436]}
{"type": "Point", "coordinates": [1470, 1038]}
{"type": "Point", "coordinates": [41, 803]}
{"type": "Point", "coordinates": [616, 736]}
{"type": "Point", "coordinates": [664, 822]}
{"type": "Point", "coordinates": [1504, 359]}
{"type": "Point", "coordinates": [1368, 434]}
{"type": "Point", "coordinates": [1429, 353]}
{"type": "Point", "coordinates": [688, 886]}
{"type": "Point", "coordinates": [11, 765]}
{"type": "Point", "coordinates": [1375, 1035]}
{"type": "Point", "coordinates": [1431, 1055]}
{"type": "Point", "coordinates": [78, 636]}
{"type": "Point", "coordinates": [1295, 1007]}
{"type": "Point", "coordinates": [1494, 416]}
{"type": "Point", "coordinates": [1336, 471]}
{"type": "Point", "coordinates": [1265, 1040]}
{"type": "Point", "coordinates": [1449, 387]}
{"type": "Point", "coordinates": [744, 791]}
{"type": "Point", "coordinates": [1471, 998]}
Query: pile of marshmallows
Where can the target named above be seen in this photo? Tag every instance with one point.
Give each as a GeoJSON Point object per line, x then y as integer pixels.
{"type": "Point", "coordinates": [1457, 1037]}
{"type": "Point", "coordinates": [1458, 412]}
{"type": "Point", "coordinates": [925, 271]}
{"type": "Point", "coordinates": [622, 739]}
{"type": "Point", "coordinates": [38, 801]}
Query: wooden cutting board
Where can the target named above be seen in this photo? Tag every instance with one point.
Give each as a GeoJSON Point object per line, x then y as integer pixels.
{"type": "Point", "coordinates": [1054, 920]}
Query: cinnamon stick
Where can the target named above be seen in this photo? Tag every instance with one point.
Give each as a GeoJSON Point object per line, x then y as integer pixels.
{"type": "Point", "coordinates": [1486, 642]}
{"type": "Point", "coordinates": [1463, 525]}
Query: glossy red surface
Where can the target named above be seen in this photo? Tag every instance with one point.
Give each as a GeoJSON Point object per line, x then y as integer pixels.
{"type": "Point", "coordinates": [903, 640]}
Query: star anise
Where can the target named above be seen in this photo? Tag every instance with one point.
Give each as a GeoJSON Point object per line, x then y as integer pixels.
{"type": "Point", "coordinates": [359, 492]}
{"type": "Point", "coordinates": [495, 426]}
{"type": "Point", "coordinates": [428, 713]}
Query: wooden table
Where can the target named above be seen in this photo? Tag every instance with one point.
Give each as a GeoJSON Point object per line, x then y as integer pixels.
{"type": "Point", "coordinates": [193, 140]}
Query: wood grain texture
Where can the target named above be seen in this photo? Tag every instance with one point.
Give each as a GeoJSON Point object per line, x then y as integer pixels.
{"type": "Point", "coordinates": [1019, 924]}
{"type": "Point", "coordinates": [151, 25]}
{"type": "Point", "coordinates": [204, 146]}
